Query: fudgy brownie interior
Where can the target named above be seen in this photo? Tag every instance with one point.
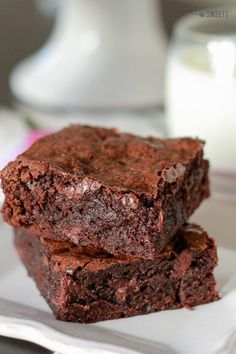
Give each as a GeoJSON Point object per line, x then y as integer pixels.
{"type": "Point", "coordinates": [81, 286]}
{"type": "Point", "coordinates": [96, 187]}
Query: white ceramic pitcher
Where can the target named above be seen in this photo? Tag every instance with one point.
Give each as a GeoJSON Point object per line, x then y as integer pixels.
{"type": "Point", "coordinates": [101, 54]}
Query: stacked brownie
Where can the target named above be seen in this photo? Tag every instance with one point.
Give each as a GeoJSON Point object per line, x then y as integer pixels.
{"type": "Point", "coordinates": [100, 222]}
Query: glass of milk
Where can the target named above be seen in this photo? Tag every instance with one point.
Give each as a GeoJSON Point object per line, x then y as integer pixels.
{"type": "Point", "coordinates": [200, 96]}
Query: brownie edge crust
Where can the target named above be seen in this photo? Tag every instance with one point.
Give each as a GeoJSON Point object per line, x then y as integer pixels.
{"type": "Point", "coordinates": [96, 187]}
{"type": "Point", "coordinates": [89, 288]}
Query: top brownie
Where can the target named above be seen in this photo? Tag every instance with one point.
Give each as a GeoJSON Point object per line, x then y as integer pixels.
{"type": "Point", "coordinates": [111, 191]}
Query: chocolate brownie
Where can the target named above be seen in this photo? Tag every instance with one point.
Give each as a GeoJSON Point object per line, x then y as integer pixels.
{"type": "Point", "coordinates": [87, 288]}
{"type": "Point", "coordinates": [116, 192]}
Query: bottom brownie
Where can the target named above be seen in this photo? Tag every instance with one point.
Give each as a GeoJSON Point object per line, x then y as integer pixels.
{"type": "Point", "coordinates": [87, 288]}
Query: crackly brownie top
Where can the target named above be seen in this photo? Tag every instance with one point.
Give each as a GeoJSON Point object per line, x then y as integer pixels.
{"type": "Point", "coordinates": [112, 158]}
{"type": "Point", "coordinates": [67, 257]}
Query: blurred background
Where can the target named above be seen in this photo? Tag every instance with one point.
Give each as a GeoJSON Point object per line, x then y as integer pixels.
{"type": "Point", "coordinates": [23, 29]}
{"type": "Point", "coordinates": [150, 67]}
{"type": "Point", "coordinates": [26, 24]}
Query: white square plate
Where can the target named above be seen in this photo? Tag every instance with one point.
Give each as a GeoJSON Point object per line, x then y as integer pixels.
{"type": "Point", "coordinates": [207, 329]}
